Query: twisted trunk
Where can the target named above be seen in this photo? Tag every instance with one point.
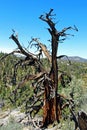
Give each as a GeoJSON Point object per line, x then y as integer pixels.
{"type": "Point", "coordinates": [51, 106]}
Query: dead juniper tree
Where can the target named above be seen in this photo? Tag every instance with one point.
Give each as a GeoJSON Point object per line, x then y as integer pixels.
{"type": "Point", "coordinates": [45, 83]}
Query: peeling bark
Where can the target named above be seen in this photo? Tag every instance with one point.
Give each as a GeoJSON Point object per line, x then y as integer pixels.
{"type": "Point", "coordinates": [45, 83]}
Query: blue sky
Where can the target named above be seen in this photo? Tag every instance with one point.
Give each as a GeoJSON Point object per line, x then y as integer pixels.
{"type": "Point", "coordinates": [23, 17]}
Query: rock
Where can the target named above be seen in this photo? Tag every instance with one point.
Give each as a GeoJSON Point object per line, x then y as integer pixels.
{"type": "Point", "coordinates": [25, 121]}
{"type": "Point", "coordinates": [18, 116]}
{"type": "Point", "coordinates": [4, 121]}
{"type": "Point", "coordinates": [4, 117]}
{"type": "Point", "coordinates": [14, 115]}
{"type": "Point", "coordinates": [25, 128]}
{"type": "Point", "coordinates": [1, 123]}
{"type": "Point", "coordinates": [52, 128]}
{"type": "Point", "coordinates": [4, 114]}
{"type": "Point", "coordinates": [2, 103]}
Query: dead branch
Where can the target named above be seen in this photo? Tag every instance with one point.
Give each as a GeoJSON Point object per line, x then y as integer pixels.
{"type": "Point", "coordinates": [27, 78]}
{"type": "Point", "coordinates": [62, 56]}
{"type": "Point", "coordinates": [48, 20]}
{"type": "Point", "coordinates": [27, 54]}
{"type": "Point", "coordinates": [43, 48]}
{"type": "Point", "coordinates": [62, 33]}
{"type": "Point", "coordinates": [40, 94]}
{"type": "Point", "coordinates": [82, 120]}
{"type": "Point", "coordinates": [19, 45]}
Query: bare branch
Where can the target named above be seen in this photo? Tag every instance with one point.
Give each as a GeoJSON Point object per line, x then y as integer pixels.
{"type": "Point", "coordinates": [49, 21]}
{"type": "Point", "coordinates": [27, 78]}
{"type": "Point", "coordinates": [19, 45]}
{"type": "Point", "coordinates": [62, 56]}
{"type": "Point", "coordinates": [75, 28]}
{"type": "Point", "coordinates": [43, 48]}
{"type": "Point", "coordinates": [62, 33]}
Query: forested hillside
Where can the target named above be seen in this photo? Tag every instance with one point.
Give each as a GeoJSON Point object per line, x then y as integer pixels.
{"type": "Point", "coordinates": [77, 86]}
{"type": "Point", "coordinates": [43, 84]}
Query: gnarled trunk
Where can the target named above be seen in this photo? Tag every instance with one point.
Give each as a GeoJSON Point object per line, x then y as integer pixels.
{"type": "Point", "coordinates": [51, 105]}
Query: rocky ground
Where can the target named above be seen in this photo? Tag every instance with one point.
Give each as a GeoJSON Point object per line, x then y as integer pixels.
{"type": "Point", "coordinates": [15, 116]}
{"type": "Point", "coordinates": [21, 118]}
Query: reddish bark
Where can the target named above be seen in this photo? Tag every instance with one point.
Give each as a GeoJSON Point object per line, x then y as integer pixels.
{"type": "Point", "coordinates": [51, 107]}
{"type": "Point", "coordinates": [52, 101]}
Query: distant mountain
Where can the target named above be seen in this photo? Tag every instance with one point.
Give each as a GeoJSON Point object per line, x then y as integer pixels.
{"type": "Point", "coordinates": [76, 58]}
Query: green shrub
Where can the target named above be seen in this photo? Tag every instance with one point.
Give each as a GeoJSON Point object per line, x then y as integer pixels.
{"type": "Point", "coordinates": [11, 126]}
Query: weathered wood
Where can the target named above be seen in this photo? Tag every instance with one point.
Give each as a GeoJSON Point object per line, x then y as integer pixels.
{"type": "Point", "coordinates": [51, 105]}
{"type": "Point", "coordinates": [43, 48]}
{"type": "Point", "coordinates": [82, 120]}
{"type": "Point", "coordinates": [44, 81]}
